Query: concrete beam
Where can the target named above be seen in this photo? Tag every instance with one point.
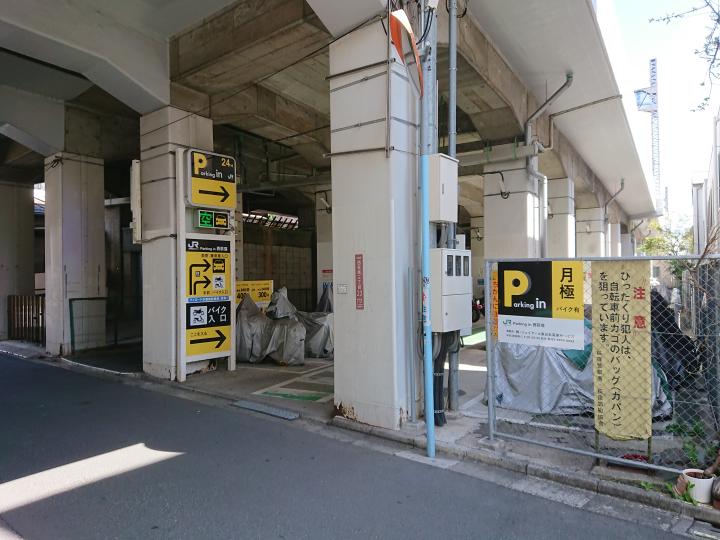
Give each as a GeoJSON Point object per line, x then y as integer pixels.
{"type": "Point", "coordinates": [267, 114]}
{"type": "Point", "coordinates": [34, 121]}
{"type": "Point", "coordinates": [130, 65]}
{"type": "Point", "coordinates": [243, 43]}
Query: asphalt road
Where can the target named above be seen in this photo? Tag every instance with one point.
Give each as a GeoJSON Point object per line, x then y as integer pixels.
{"type": "Point", "coordinates": [82, 457]}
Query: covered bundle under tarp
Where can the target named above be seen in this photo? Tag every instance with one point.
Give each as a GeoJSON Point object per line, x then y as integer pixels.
{"type": "Point", "coordinates": [318, 326]}
{"type": "Point", "coordinates": [258, 337]}
{"type": "Point", "coordinates": [325, 305]}
{"type": "Point", "coordinates": [544, 380]}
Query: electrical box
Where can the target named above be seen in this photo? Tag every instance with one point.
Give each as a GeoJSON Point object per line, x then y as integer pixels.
{"type": "Point", "coordinates": [443, 188]}
{"type": "Point", "coordinates": [450, 289]}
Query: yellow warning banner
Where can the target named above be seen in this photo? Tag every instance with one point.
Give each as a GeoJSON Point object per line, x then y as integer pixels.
{"type": "Point", "coordinates": [622, 364]}
{"type": "Point", "coordinates": [260, 291]}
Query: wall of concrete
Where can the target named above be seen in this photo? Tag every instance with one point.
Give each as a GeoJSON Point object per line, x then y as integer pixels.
{"type": "Point", "coordinates": [286, 258]}
{"type": "Point", "coordinates": [16, 245]}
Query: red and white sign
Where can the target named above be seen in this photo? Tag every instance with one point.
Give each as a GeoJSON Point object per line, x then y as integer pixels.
{"type": "Point", "coordinates": [359, 282]}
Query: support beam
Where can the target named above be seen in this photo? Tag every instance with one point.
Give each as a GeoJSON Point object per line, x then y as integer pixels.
{"type": "Point", "coordinates": [511, 212]}
{"type": "Point", "coordinates": [270, 115]}
{"type": "Point", "coordinates": [74, 251]}
{"type": "Point", "coordinates": [373, 232]}
{"type": "Point", "coordinates": [16, 246]}
{"type": "Point", "coordinates": [161, 133]}
{"type": "Point", "coordinates": [244, 43]}
{"type": "Point", "coordinates": [126, 63]}
{"type": "Point", "coordinates": [561, 218]}
{"type": "Point", "coordinates": [590, 232]}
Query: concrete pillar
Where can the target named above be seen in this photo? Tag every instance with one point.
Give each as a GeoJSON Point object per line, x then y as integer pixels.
{"type": "Point", "coordinates": [511, 212]}
{"type": "Point", "coordinates": [161, 133]}
{"type": "Point", "coordinates": [561, 218]}
{"type": "Point", "coordinates": [614, 240]}
{"type": "Point", "coordinates": [590, 232]}
{"type": "Point", "coordinates": [477, 250]}
{"type": "Point", "coordinates": [374, 200]}
{"type": "Point", "coordinates": [74, 251]}
{"type": "Point", "coordinates": [627, 249]}
{"type": "Point", "coordinates": [323, 230]}
{"type": "Point", "coordinates": [16, 245]}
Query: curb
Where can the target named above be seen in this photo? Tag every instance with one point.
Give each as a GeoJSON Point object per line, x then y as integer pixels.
{"type": "Point", "coordinates": [96, 369]}
{"type": "Point", "coordinates": [521, 464]}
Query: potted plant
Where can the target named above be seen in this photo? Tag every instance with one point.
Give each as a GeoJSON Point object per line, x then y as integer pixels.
{"type": "Point", "coordinates": [699, 484]}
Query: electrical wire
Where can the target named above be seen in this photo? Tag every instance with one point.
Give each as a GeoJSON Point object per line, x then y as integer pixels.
{"type": "Point", "coordinates": [428, 23]}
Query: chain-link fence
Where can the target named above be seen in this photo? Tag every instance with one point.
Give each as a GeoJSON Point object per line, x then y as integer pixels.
{"type": "Point", "coordinates": [617, 359]}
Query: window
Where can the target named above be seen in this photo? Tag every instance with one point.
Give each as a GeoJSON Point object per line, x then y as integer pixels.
{"type": "Point", "coordinates": [449, 269]}
{"type": "Point", "coordinates": [458, 265]}
{"type": "Point", "coordinates": [466, 265]}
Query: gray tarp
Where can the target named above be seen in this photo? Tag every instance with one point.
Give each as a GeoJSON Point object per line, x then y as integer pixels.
{"type": "Point", "coordinates": [258, 337]}
{"type": "Point", "coordinates": [542, 380]}
{"type": "Point", "coordinates": [318, 326]}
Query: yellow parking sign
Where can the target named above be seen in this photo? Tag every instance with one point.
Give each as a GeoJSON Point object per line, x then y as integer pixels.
{"type": "Point", "coordinates": [260, 291]}
{"type": "Point", "coordinates": [211, 180]}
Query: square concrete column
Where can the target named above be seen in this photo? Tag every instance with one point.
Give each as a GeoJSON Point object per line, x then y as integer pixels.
{"type": "Point", "coordinates": [477, 252]}
{"type": "Point", "coordinates": [161, 133]}
{"type": "Point", "coordinates": [590, 232]}
{"type": "Point", "coordinates": [561, 218]}
{"type": "Point", "coordinates": [627, 247]}
{"type": "Point", "coordinates": [16, 245]}
{"type": "Point", "coordinates": [74, 251]}
{"type": "Point", "coordinates": [374, 201]}
{"type": "Point", "coordinates": [511, 211]}
{"type": "Point", "coordinates": [614, 240]}
{"type": "Point", "coordinates": [323, 230]}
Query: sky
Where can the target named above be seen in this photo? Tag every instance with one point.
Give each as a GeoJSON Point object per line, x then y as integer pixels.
{"type": "Point", "coordinates": [685, 136]}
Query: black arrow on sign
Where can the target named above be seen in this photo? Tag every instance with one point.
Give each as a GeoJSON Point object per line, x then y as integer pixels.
{"type": "Point", "coordinates": [224, 193]}
{"type": "Point", "coordinates": [204, 281]}
{"type": "Point", "coordinates": [205, 266]}
{"type": "Point", "coordinates": [220, 338]}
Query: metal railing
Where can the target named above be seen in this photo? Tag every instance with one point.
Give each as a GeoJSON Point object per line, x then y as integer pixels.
{"type": "Point", "coordinates": [26, 318]}
{"type": "Point", "coordinates": [653, 403]}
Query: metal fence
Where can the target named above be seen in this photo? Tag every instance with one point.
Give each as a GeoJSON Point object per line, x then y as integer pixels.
{"type": "Point", "coordinates": [640, 384]}
{"type": "Point", "coordinates": [26, 318]}
{"type": "Point", "coordinates": [99, 322]}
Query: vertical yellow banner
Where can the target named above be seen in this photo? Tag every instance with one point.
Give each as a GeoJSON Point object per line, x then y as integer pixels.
{"type": "Point", "coordinates": [567, 290]}
{"type": "Point", "coordinates": [622, 349]}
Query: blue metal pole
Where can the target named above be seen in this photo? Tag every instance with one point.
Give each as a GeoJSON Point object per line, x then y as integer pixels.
{"type": "Point", "coordinates": [427, 328]}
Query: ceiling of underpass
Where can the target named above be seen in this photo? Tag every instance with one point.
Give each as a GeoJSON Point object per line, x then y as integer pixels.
{"type": "Point", "coordinates": [265, 73]}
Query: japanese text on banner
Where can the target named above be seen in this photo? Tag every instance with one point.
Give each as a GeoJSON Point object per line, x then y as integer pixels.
{"type": "Point", "coordinates": [621, 348]}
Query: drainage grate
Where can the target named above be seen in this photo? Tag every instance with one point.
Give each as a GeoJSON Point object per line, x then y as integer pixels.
{"type": "Point", "coordinates": [266, 409]}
